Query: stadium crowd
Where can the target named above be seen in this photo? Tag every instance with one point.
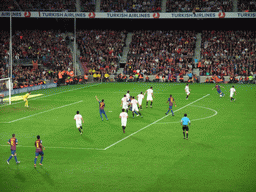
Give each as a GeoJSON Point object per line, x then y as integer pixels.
{"type": "Point", "coordinates": [199, 5]}
{"type": "Point", "coordinates": [101, 50]}
{"type": "Point", "coordinates": [161, 52]}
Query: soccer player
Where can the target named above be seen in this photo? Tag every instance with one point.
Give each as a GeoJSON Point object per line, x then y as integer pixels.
{"type": "Point", "coordinates": [135, 109]}
{"type": "Point", "coordinates": [13, 142]}
{"type": "Point", "coordinates": [149, 96]}
{"type": "Point", "coordinates": [123, 117]}
{"type": "Point", "coordinates": [39, 151]}
{"type": "Point", "coordinates": [232, 92]}
{"type": "Point", "coordinates": [102, 106]}
{"type": "Point", "coordinates": [140, 98]}
{"type": "Point", "coordinates": [171, 101]}
{"type": "Point", "coordinates": [124, 103]}
{"type": "Point", "coordinates": [25, 98]}
{"type": "Point", "coordinates": [78, 118]}
{"type": "Point", "coordinates": [128, 94]}
{"type": "Point", "coordinates": [184, 122]}
{"type": "Point", "coordinates": [187, 90]}
{"type": "Point", "coordinates": [218, 89]}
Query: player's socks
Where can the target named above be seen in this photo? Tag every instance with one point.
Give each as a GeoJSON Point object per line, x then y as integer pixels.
{"type": "Point", "coordinates": [15, 159]}
{"type": "Point", "coordinates": [151, 104]}
{"type": "Point", "coordinates": [9, 158]}
{"type": "Point", "coordinates": [42, 158]}
{"type": "Point", "coordinates": [132, 114]}
{"type": "Point", "coordinates": [184, 134]}
{"type": "Point", "coordinates": [167, 111]}
{"type": "Point", "coordinates": [35, 161]}
{"type": "Point", "coordinates": [187, 135]}
{"type": "Point", "coordinates": [79, 130]}
{"type": "Point", "coordinates": [101, 117]}
{"type": "Point", "coordinates": [136, 112]}
{"type": "Point", "coordinates": [147, 104]}
{"type": "Point", "coordinates": [172, 113]}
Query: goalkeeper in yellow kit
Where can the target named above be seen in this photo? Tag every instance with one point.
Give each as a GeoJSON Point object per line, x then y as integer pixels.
{"type": "Point", "coordinates": [25, 98]}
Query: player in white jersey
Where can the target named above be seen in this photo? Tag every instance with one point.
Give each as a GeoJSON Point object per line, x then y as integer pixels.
{"type": "Point", "coordinates": [187, 90]}
{"type": "Point", "coordinates": [128, 94]}
{"type": "Point", "coordinates": [78, 118]}
{"type": "Point", "coordinates": [124, 103]}
{"type": "Point", "coordinates": [149, 96]}
{"type": "Point", "coordinates": [135, 109]}
{"type": "Point", "coordinates": [232, 92]}
{"type": "Point", "coordinates": [140, 98]}
{"type": "Point", "coordinates": [123, 116]}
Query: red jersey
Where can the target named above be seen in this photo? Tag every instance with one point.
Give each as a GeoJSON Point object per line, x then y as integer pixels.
{"type": "Point", "coordinates": [38, 145]}
{"type": "Point", "coordinates": [13, 142]}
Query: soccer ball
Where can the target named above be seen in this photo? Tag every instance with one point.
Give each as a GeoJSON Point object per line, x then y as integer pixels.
{"type": "Point", "coordinates": [220, 95]}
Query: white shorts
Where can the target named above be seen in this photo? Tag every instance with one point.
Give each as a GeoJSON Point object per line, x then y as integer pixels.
{"type": "Point", "coordinates": [125, 107]}
{"type": "Point", "coordinates": [231, 94]}
{"type": "Point", "coordinates": [149, 98]}
{"type": "Point", "coordinates": [188, 93]}
{"type": "Point", "coordinates": [78, 125]}
{"type": "Point", "coordinates": [140, 102]}
{"type": "Point", "coordinates": [135, 108]}
{"type": "Point", "coordinates": [123, 122]}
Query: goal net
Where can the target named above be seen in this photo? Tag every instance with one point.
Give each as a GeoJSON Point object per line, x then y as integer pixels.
{"type": "Point", "coordinates": [5, 91]}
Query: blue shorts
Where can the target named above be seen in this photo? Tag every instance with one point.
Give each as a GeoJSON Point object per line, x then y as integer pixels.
{"type": "Point", "coordinates": [102, 111]}
{"type": "Point", "coordinates": [40, 153]}
{"type": "Point", "coordinates": [219, 91]}
{"type": "Point", "coordinates": [170, 107]}
{"type": "Point", "coordinates": [13, 152]}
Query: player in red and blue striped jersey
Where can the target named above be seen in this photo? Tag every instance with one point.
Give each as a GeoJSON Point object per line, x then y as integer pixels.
{"type": "Point", "coordinates": [39, 150]}
{"type": "Point", "coordinates": [218, 89]}
{"type": "Point", "coordinates": [171, 102]}
{"type": "Point", "coordinates": [13, 142]}
{"type": "Point", "coordinates": [102, 106]}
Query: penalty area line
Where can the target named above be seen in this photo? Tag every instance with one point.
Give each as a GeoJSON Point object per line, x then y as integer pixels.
{"type": "Point", "coordinates": [44, 112]}
{"type": "Point", "coordinates": [153, 123]}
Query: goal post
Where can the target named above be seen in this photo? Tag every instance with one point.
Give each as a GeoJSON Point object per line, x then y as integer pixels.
{"type": "Point", "coordinates": [5, 91]}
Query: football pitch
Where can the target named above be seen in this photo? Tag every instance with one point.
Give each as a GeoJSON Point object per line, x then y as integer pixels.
{"type": "Point", "coordinates": [152, 155]}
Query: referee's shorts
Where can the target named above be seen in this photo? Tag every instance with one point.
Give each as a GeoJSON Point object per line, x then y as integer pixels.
{"type": "Point", "coordinates": [185, 128]}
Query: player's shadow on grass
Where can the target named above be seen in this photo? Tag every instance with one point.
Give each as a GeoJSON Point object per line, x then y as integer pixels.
{"type": "Point", "coordinates": [202, 145]}
{"type": "Point", "coordinates": [87, 139]}
{"type": "Point", "coordinates": [45, 174]}
{"type": "Point", "coordinates": [136, 139]}
{"type": "Point", "coordinates": [18, 174]}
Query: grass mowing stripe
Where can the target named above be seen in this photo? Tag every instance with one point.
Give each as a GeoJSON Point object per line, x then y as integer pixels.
{"type": "Point", "coordinates": [154, 122]}
{"type": "Point", "coordinates": [44, 112]}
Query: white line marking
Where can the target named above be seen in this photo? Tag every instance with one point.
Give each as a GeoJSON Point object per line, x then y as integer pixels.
{"type": "Point", "coordinates": [53, 94]}
{"type": "Point", "coordinates": [154, 123]}
{"type": "Point", "coordinates": [44, 112]}
{"type": "Point", "coordinates": [55, 147]}
{"type": "Point", "coordinates": [215, 113]}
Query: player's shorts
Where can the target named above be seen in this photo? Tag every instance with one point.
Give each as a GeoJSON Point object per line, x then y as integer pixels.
{"type": "Point", "coordinates": [231, 94]}
{"type": "Point", "coordinates": [24, 99]}
{"type": "Point", "coordinates": [102, 111]}
{"type": "Point", "coordinates": [135, 108]}
{"type": "Point", "coordinates": [78, 125]}
{"type": "Point", "coordinates": [185, 128]}
{"type": "Point", "coordinates": [123, 123]}
{"type": "Point", "coordinates": [219, 91]}
{"type": "Point", "coordinates": [149, 98]}
{"type": "Point", "coordinates": [170, 107]}
{"type": "Point", "coordinates": [13, 152]}
{"type": "Point", "coordinates": [188, 93]}
{"type": "Point", "coordinates": [125, 107]}
{"type": "Point", "coordinates": [140, 102]}
{"type": "Point", "coordinates": [39, 153]}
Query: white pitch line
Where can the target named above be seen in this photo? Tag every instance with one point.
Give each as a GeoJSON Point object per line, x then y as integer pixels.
{"type": "Point", "coordinates": [215, 113]}
{"type": "Point", "coordinates": [56, 147]}
{"type": "Point", "coordinates": [44, 112]}
{"type": "Point", "coordinates": [153, 123]}
{"type": "Point", "coordinates": [53, 94]}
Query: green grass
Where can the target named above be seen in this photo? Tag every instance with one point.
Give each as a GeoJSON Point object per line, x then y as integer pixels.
{"type": "Point", "coordinates": [220, 154]}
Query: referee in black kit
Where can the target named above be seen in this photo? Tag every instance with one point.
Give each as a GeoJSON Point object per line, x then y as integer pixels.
{"type": "Point", "coordinates": [184, 122]}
